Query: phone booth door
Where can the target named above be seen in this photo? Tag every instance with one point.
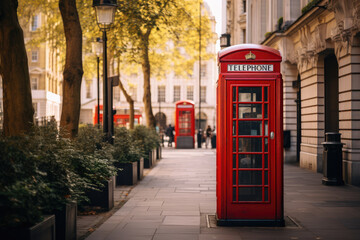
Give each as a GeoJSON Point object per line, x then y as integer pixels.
{"type": "Point", "coordinates": [251, 159]}
{"type": "Point", "coordinates": [185, 122]}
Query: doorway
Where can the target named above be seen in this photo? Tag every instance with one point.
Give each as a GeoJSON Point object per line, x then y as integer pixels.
{"type": "Point", "coordinates": [160, 119]}
{"type": "Point", "coordinates": [331, 79]}
{"type": "Point", "coordinates": [298, 119]}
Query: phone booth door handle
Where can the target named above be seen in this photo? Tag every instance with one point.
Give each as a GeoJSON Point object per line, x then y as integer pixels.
{"type": "Point", "coordinates": [272, 135]}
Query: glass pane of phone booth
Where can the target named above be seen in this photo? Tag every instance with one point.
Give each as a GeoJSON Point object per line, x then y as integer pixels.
{"type": "Point", "coordinates": [250, 173]}
{"type": "Point", "coordinates": [184, 122]}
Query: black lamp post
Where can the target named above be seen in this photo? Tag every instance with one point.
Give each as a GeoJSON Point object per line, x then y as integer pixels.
{"type": "Point", "coordinates": [105, 12]}
{"type": "Point", "coordinates": [98, 50]}
{"type": "Point", "coordinates": [159, 119]}
{"type": "Point", "coordinates": [199, 135]}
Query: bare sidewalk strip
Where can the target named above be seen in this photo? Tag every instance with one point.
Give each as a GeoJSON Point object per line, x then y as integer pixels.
{"type": "Point", "coordinates": [177, 200]}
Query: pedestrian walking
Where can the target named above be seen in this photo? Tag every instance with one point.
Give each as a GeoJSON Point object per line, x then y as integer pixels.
{"type": "Point", "coordinates": [170, 133]}
{"type": "Point", "coordinates": [208, 136]}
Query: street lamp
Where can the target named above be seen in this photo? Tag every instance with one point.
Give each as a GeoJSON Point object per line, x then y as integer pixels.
{"type": "Point", "coordinates": [225, 40]}
{"type": "Point", "coordinates": [98, 50]}
{"type": "Point", "coordinates": [199, 135]}
{"type": "Point", "coordinates": [105, 12]}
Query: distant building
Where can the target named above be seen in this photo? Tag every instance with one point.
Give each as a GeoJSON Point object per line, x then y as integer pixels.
{"type": "Point", "coordinates": [319, 42]}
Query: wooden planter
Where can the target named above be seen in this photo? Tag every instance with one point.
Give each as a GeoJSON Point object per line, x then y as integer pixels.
{"type": "Point", "coordinates": [140, 168]}
{"type": "Point", "coordinates": [103, 198]}
{"type": "Point", "coordinates": [153, 152]}
{"type": "Point", "coordinates": [150, 161]}
{"type": "Point", "coordinates": [66, 222]}
{"type": "Point", "coordinates": [159, 153]}
{"type": "Point", "coordinates": [128, 175]}
{"type": "Point", "coordinates": [44, 230]}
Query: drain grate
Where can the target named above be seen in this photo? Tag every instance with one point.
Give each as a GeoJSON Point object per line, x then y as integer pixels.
{"type": "Point", "coordinates": [289, 222]}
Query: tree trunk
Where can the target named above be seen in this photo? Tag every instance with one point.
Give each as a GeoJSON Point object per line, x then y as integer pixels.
{"type": "Point", "coordinates": [14, 70]}
{"type": "Point", "coordinates": [150, 119]}
{"type": "Point", "coordinates": [131, 104]}
{"type": "Point", "coordinates": [128, 98]}
{"type": "Point", "coordinates": [73, 70]}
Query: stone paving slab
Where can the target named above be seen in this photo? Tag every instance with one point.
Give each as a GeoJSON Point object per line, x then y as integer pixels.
{"type": "Point", "coordinates": [172, 202]}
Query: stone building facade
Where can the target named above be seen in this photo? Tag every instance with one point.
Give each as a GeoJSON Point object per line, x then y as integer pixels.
{"type": "Point", "coordinates": [320, 45]}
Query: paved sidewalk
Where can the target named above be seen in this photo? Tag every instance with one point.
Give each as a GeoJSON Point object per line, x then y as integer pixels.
{"type": "Point", "coordinates": [174, 200]}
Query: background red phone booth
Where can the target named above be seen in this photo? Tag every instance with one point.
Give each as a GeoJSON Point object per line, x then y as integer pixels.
{"type": "Point", "coordinates": [184, 124]}
{"type": "Point", "coordinates": [250, 137]}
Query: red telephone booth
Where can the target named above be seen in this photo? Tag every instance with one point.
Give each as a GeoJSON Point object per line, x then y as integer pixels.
{"type": "Point", "coordinates": [250, 137]}
{"type": "Point", "coordinates": [184, 124]}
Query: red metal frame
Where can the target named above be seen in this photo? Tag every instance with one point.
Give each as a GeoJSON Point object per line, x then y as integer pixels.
{"type": "Point", "coordinates": [184, 119]}
{"type": "Point", "coordinates": [230, 209]}
{"type": "Point", "coordinates": [120, 120]}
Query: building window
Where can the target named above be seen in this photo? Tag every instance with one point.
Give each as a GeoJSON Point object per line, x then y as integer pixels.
{"type": "Point", "coordinates": [161, 93]}
{"type": "Point", "coordinates": [203, 70]}
{"type": "Point", "coordinates": [34, 56]}
{"type": "Point", "coordinates": [116, 94]}
{"type": "Point", "coordinates": [244, 35]}
{"type": "Point", "coordinates": [190, 93]}
{"type": "Point", "coordinates": [34, 83]}
{"type": "Point", "coordinates": [244, 6]}
{"type": "Point", "coordinates": [35, 23]}
{"type": "Point", "coordinates": [88, 88]}
{"type": "Point", "coordinates": [177, 93]}
{"type": "Point", "coordinates": [203, 94]}
{"type": "Point", "coordinates": [133, 93]}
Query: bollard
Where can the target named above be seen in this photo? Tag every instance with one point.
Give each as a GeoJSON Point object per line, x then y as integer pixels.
{"type": "Point", "coordinates": [332, 159]}
{"type": "Point", "coordinates": [199, 138]}
{"type": "Point", "coordinates": [213, 140]}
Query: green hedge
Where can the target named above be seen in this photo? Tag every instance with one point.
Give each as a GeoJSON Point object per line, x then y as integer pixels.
{"type": "Point", "coordinates": [42, 171]}
{"type": "Point", "coordinates": [125, 149]}
{"type": "Point", "coordinates": [145, 139]}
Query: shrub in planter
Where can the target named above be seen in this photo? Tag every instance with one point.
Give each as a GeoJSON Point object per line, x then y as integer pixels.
{"type": "Point", "coordinates": [126, 157]}
{"type": "Point", "coordinates": [147, 140]}
{"type": "Point", "coordinates": [38, 178]}
{"type": "Point", "coordinates": [42, 173]}
{"type": "Point", "coordinates": [20, 188]}
{"type": "Point", "coordinates": [95, 166]}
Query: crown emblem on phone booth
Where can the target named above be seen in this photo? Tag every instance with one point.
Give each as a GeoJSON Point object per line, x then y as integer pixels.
{"type": "Point", "coordinates": [250, 56]}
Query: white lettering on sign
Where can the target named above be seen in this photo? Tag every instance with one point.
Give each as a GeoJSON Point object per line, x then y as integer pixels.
{"type": "Point", "coordinates": [184, 106]}
{"type": "Point", "coordinates": [250, 67]}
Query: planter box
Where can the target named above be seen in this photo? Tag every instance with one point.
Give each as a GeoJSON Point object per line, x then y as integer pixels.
{"type": "Point", "coordinates": [103, 198]}
{"type": "Point", "coordinates": [128, 174]}
{"type": "Point", "coordinates": [140, 168]}
{"type": "Point", "coordinates": [159, 153]}
{"type": "Point", "coordinates": [44, 230]}
{"type": "Point", "coordinates": [154, 156]}
{"type": "Point", "coordinates": [148, 161]}
{"type": "Point", "coordinates": [66, 222]}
